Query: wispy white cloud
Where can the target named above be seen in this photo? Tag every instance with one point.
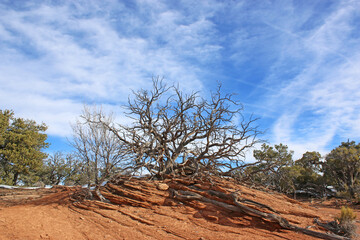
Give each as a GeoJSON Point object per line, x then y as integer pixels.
{"type": "Point", "coordinates": [56, 57]}
{"type": "Point", "coordinates": [294, 63]}
{"type": "Point", "coordinates": [319, 100]}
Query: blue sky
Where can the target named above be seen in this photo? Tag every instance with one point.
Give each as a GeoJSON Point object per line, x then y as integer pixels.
{"type": "Point", "coordinates": [294, 64]}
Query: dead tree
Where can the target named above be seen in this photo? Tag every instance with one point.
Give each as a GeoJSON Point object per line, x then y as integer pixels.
{"type": "Point", "coordinates": [100, 150]}
{"type": "Point", "coordinates": [174, 133]}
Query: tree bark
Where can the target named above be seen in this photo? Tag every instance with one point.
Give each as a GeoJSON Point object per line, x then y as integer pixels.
{"type": "Point", "coordinates": [16, 175]}
{"type": "Point", "coordinates": [99, 195]}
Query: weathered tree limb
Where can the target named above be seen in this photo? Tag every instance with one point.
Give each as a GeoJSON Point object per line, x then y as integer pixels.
{"type": "Point", "coordinates": [319, 234]}
{"type": "Point", "coordinates": [187, 195]}
{"type": "Point", "coordinates": [330, 226]}
{"type": "Point", "coordinates": [238, 207]}
{"type": "Point", "coordinates": [100, 196]}
{"type": "Point", "coordinates": [230, 197]}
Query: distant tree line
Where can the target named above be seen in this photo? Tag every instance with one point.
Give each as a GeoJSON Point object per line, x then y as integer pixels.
{"type": "Point", "coordinates": [171, 134]}
{"type": "Point", "coordinates": [336, 174]}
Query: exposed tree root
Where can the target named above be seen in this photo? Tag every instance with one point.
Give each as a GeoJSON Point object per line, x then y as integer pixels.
{"type": "Point", "coordinates": [238, 207]}
{"type": "Point", "coordinates": [100, 196]}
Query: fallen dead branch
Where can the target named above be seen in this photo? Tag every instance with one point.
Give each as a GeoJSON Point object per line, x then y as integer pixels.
{"type": "Point", "coordinates": [184, 195]}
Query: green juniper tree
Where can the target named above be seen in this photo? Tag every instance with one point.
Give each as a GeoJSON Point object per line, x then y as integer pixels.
{"type": "Point", "coordinates": [274, 167]}
{"type": "Point", "coordinates": [310, 180]}
{"type": "Point", "coordinates": [342, 168]}
{"type": "Point", "coordinates": [60, 168]}
{"type": "Point", "coordinates": [21, 145]}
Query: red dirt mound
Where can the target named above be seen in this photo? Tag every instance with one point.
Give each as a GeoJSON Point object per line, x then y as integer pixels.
{"type": "Point", "coordinates": [142, 209]}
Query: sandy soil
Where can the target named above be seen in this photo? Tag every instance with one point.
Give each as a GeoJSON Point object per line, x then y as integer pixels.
{"type": "Point", "coordinates": [145, 210]}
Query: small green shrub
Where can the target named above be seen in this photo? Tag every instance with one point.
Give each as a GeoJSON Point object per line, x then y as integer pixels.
{"type": "Point", "coordinates": [346, 222]}
{"type": "Point", "coordinates": [347, 214]}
